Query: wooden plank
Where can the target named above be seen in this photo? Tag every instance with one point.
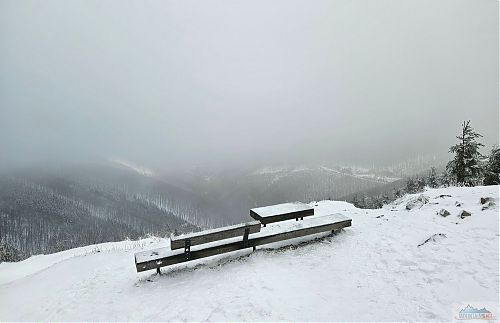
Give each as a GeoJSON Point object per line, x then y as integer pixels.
{"type": "Point", "coordinates": [207, 236]}
{"type": "Point", "coordinates": [281, 212]}
{"type": "Point", "coordinates": [170, 258]}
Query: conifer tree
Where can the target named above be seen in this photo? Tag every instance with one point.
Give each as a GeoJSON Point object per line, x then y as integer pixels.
{"type": "Point", "coordinates": [432, 180]}
{"type": "Point", "coordinates": [444, 179]}
{"type": "Point", "coordinates": [420, 183]}
{"type": "Point", "coordinates": [411, 185]}
{"type": "Point", "coordinates": [492, 171]}
{"type": "Point", "coordinates": [465, 168]}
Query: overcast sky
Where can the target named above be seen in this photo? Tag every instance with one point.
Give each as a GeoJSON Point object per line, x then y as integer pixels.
{"type": "Point", "coordinates": [192, 82]}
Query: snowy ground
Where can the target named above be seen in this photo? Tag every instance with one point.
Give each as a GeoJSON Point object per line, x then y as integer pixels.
{"type": "Point", "coordinates": [370, 271]}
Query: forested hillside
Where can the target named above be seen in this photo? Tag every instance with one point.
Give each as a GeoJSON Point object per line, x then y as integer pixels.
{"type": "Point", "coordinates": [48, 212]}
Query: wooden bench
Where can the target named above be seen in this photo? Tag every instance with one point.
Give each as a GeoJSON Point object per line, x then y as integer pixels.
{"type": "Point", "coordinates": [281, 212]}
{"type": "Point", "coordinates": [154, 259]}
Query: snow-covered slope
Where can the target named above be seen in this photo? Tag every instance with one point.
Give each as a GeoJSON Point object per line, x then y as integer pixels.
{"type": "Point", "coordinates": [374, 270]}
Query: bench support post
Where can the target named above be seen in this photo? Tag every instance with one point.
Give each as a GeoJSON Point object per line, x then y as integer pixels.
{"type": "Point", "coordinates": [187, 249]}
{"type": "Point", "coordinates": [245, 237]}
{"type": "Point", "coordinates": [158, 271]}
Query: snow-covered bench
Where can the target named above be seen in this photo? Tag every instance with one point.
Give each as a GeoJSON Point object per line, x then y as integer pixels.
{"type": "Point", "coordinates": [281, 212]}
{"type": "Point", "coordinates": [228, 239]}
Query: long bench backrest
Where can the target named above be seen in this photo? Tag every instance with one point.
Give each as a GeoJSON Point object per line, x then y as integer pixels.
{"type": "Point", "coordinates": [196, 238]}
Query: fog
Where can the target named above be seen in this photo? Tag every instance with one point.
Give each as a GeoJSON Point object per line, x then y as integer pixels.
{"type": "Point", "coordinates": [182, 83]}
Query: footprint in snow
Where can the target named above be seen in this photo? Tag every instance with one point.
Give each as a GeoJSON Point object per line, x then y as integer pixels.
{"type": "Point", "coordinates": [427, 268]}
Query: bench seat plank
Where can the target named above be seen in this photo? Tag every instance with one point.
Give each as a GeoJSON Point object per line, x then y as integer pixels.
{"type": "Point", "coordinates": [281, 212]}
{"type": "Point", "coordinates": [152, 259]}
{"type": "Point", "coordinates": [177, 242]}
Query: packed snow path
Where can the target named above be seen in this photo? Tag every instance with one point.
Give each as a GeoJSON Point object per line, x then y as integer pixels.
{"type": "Point", "coordinates": [370, 271]}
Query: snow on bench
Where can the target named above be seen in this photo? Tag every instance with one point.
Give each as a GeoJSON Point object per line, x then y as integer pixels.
{"type": "Point", "coordinates": [207, 236]}
{"type": "Point", "coordinates": [154, 259]}
{"type": "Point", "coordinates": [281, 212]}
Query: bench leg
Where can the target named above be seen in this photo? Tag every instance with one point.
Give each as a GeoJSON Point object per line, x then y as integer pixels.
{"type": "Point", "coordinates": [254, 248]}
{"type": "Point", "coordinates": [158, 271]}
{"type": "Point", "coordinates": [187, 250]}
{"type": "Point", "coordinates": [245, 237]}
{"type": "Point", "coordinates": [296, 219]}
{"type": "Point", "coordinates": [302, 218]}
